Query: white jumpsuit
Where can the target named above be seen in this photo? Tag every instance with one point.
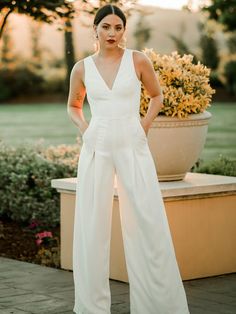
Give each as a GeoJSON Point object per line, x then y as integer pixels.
{"type": "Point", "coordinates": [115, 145]}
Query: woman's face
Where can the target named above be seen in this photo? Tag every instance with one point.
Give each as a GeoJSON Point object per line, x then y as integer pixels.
{"type": "Point", "coordinates": [110, 31]}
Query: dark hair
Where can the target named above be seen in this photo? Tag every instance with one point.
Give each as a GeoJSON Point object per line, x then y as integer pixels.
{"type": "Point", "coordinates": [106, 10]}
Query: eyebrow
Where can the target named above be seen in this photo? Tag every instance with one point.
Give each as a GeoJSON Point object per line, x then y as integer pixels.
{"type": "Point", "coordinates": [104, 23]}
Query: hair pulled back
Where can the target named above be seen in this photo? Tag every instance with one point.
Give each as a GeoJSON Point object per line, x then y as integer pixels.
{"type": "Point", "coordinates": [107, 10]}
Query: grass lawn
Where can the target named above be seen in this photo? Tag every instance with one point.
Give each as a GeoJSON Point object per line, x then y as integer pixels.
{"type": "Point", "coordinates": [31, 123]}
{"type": "Point", "coordinates": [50, 122]}
{"type": "Point", "coordinates": [221, 136]}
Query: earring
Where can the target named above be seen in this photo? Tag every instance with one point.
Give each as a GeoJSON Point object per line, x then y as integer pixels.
{"type": "Point", "coordinates": [122, 43]}
{"type": "Point", "coordinates": [96, 45]}
{"type": "Point", "coordinates": [95, 42]}
{"type": "Point", "coordinates": [95, 36]}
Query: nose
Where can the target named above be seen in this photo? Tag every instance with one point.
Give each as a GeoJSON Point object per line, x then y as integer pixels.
{"type": "Point", "coordinates": [111, 32]}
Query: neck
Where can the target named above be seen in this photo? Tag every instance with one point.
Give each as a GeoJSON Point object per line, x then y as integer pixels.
{"type": "Point", "coordinates": [110, 53]}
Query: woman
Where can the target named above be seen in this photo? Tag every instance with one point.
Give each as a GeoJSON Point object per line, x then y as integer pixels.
{"type": "Point", "coordinates": [115, 145]}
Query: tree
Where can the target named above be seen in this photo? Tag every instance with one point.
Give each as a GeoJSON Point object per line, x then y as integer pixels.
{"type": "Point", "coordinates": [44, 11]}
{"type": "Point", "coordinates": [229, 72]}
{"type": "Point", "coordinates": [40, 10]}
{"type": "Point", "coordinates": [224, 12]}
{"type": "Point", "coordinates": [69, 51]}
{"type": "Point", "coordinates": [210, 54]}
{"type": "Point", "coordinates": [232, 43]}
{"type": "Point", "coordinates": [35, 30]}
{"type": "Point", "coordinates": [7, 57]}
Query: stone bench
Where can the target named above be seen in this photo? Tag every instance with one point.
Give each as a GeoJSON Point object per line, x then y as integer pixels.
{"type": "Point", "coordinates": [201, 211]}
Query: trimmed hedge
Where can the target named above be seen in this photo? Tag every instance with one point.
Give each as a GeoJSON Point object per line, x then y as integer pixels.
{"type": "Point", "coordinates": [25, 182]}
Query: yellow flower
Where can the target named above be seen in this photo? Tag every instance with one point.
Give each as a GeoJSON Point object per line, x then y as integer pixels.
{"type": "Point", "coordinates": [185, 85]}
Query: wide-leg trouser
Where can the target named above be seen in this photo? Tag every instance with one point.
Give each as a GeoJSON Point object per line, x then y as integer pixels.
{"type": "Point", "coordinates": [155, 282]}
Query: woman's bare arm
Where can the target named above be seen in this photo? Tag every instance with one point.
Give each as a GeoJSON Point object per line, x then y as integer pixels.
{"type": "Point", "coordinates": [148, 77]}
{"type": "Point", "coordinates": [76, 97]}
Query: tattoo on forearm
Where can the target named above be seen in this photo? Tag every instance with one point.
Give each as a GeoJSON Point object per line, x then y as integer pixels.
{"type": "Point", "coordinates": [79, 97]}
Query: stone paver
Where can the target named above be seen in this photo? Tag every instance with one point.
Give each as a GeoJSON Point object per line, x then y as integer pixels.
{"type": "Point", "coordinates": [34, 289]}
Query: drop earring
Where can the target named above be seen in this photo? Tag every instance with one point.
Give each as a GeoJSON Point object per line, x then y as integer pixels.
{"type": "Point", "coordinates": [122, 43]}
{"type": "Point", "coordinates": [96, 43]}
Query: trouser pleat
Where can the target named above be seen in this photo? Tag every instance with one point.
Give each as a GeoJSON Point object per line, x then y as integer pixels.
{"type": "Point", "coordinates": [155, 282]}
{"type": "Point", "coordinates": [92, 233]}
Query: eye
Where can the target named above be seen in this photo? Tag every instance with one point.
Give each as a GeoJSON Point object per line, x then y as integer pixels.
{"type": "Point", "coordinates": [119, 28]}
{"type": "Point", "coordinates": [105, 26]}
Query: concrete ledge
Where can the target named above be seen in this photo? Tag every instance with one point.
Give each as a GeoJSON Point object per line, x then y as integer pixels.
{"type": "Point", "coordinates": [194, 184]}
{"type": "Point", "coordinates": [201, 212]}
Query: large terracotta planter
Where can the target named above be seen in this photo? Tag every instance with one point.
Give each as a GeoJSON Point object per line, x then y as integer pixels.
{"type": "Point", "coordinates": [176, 144]}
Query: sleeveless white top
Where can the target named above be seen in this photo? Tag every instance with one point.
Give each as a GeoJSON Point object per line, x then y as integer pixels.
{"type": "Point", "coordinates": [115, 122]}
{"type": "Point", "coordinates": [123, 99]}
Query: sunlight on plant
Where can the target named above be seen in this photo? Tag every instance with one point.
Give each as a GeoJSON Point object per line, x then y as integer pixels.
{"type": "Point", "coordinates": [185, 85]}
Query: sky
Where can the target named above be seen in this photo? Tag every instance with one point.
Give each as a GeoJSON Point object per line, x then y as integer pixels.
{"type": "Point", "coordinates": [170, 4]}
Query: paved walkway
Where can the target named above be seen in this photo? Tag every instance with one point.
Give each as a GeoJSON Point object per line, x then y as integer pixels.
{"type": "Point", "coordinates": [29, 288]}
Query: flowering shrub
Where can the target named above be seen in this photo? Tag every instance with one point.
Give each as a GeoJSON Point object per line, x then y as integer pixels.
{"type": "Point", "coordinates": [26, 195]}
{"type": "Point", "coordinates": [49, 249]}
{"type": "Point", "coordinates": [43, 236]}
{"type": "Point", "coordinates": [67, 155]}
{"type": "Point", "coordinates": [185, 85]}
{"type": "Point", "coordinates": [25, 182]}
{"type": "Point", "coordinates": [49, 256]}
{"type": "Point", "coordinates": [48, 243]}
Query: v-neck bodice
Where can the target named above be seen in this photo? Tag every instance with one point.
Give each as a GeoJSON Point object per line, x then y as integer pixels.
{"type": "Point", "coordinates": [117, 73]}
{"type": "Point", "coordinates": [123, 99]}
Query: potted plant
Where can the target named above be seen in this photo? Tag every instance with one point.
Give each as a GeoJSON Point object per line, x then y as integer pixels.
{"type": "Point", "coordinates": [177, 135]}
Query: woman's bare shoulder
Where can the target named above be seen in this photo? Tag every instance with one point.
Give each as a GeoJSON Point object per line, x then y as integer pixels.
{"type": "Point", "coordinates": [140, 57]}
{"type": "Point", "coordinates": [78, 68]}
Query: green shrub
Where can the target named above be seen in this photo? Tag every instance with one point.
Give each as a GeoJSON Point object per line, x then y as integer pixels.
{"type": "Point", "coordinates": [25, 183]}
{"type": "Point", "coordinates": [55, 85]}
{"type": "Point", "coordinates": [222, 166]}
{"type": "Point", "coordinates": [215, 81]}
{"type": "Point", "coordinates": [230, 70]}
{"type": "Point", "coordinates": [19, 81]}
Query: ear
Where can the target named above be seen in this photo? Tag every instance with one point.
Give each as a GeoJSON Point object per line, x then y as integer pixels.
{"type": "Point", "coordinates": [95, 32]}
